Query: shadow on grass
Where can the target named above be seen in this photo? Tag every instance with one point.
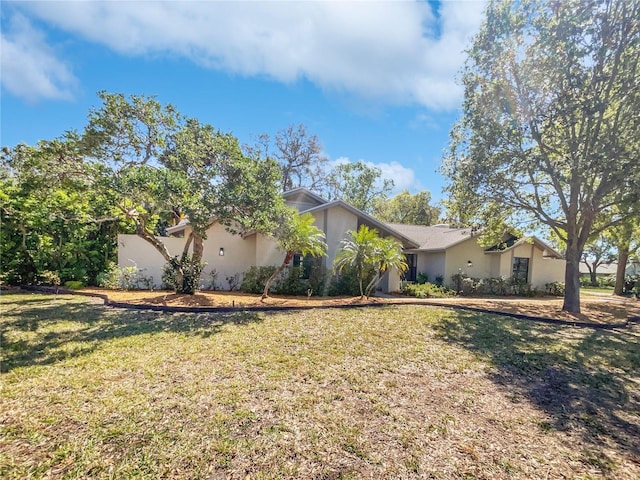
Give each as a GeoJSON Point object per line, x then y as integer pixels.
{"type": "Point", "coordinates": [586, 380]}
{"type": "Point", "coordinates": [46, 329]}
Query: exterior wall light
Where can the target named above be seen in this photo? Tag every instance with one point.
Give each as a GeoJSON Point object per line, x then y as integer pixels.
{"type": "Point", "coordinates": [221, 252]}
{"type": "Point", "coordinates": [469, 264]}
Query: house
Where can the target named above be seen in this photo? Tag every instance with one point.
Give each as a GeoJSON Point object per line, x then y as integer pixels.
{"type": "Point", "coordinates": [232, 255]}
{"type": "Point", "coordinates": [437, 251]}
{"type": "Point", "coordinates": [444, 251]}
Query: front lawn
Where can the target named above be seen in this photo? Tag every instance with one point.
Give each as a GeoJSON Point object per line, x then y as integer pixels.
{"type": "Point", "coordinates": [386, 392]}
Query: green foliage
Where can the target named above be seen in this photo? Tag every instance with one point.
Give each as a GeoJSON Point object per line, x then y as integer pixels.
{"type": "Point", "coordinates": [554, 288]}
{"type": "Point", "coordinates": [358, 184]}
{"type": "Point", "coordinates": [501, 286]}
{"type": "Point", "coordinates": [550, 121]}
{"type": "Point", "coordinates": [422, 278]}
{"type": "Point", "coordinates": [296, 234]}
{"type": "Point", "coordinates": [366, 251]}
{"type": "Point", "coordinates": [189, 281]}
{"type": "Point", "coordinates": [426, 290]}
{"type": "Point", "coordinates": [127, 278]}
{"type": "Point", "coordinates": [256, 278]}
{"type": "Point", "coordinates": [406, 208]}
{"type": "Point", "coordinates": [49, 278]}
{"type": "Point", "coordinates": [74, 284]}
{"type": "Point", "coordinates": [53, 218]}
{"type": "Point", "coordinates": [292, 283]}
{"type": "Point", "coordinates": [160, 167]}
{"type": "Point", "coordinates": [347, 280]}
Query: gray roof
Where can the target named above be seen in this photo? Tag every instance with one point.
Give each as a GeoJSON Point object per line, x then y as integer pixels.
{"type": "Point", "coordinates": [434, 238]}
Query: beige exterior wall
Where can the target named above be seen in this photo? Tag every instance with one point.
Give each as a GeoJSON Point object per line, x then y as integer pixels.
{"type": "Point", "coordinates": [431, 264]}
{"type": "Point", "coordinates": [459, 255]}
{"type": "Point", "coordinates": [546, 270]}
{"type": "Point", "coordinates": [134, 251]}
{"type": "Point", "coordinates": [338, 222]}
{"type": "Point", "coordinates": [267, 251]}
{"type": "Point", "coordinates": [239, 255]}
{"type": "Point", "coordinates": [542, 270]}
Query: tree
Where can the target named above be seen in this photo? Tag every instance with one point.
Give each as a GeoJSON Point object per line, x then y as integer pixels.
{"type": "Point", "coordinates": [406, 208]}
{"type": "Point", "coordinates": [297, 234]}
{"type": "Point", "coordinates": [626, 237]}
{"type": "Point", "coordinates": [159, 164]}
{"type": "Point", "coordinates": [54, 223]}
{"type": "Point", "coordinates": [358, 184]}
{"type": "Point", "coordinates": [596, 253]}
{"type": "Point", "coordinates": [388, 254]}
{"type": "Point", "coordinates": [550, 120]}
{"type": "Point", "coordinates": [367, 253]}
{"type": "Point", "coordinates": [299, 155]}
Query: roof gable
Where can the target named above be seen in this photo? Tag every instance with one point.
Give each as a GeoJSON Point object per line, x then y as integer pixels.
{"type": "Point", "coordinates": [363, 217]}
{"type": "Point", "coordinates": [302, 199]}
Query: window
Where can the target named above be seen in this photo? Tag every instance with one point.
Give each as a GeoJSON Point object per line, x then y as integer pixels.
{"type": "Point", "coordinates": [307, 263]}
{"type": "Point", "coordinates": [520, 269]}
{"type": "Point", "coordinates": [412, 272]}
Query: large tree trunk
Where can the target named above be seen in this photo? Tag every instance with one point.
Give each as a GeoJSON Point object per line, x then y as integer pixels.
{"type": "Point", "coordinates": [593, 276]}
{"type": "Point", "coordinates": [623, 258]}
{"type": "Point", "coordinates": [287, 260]}
{"type": "Point", "coordinates": [624, 244]}
{"type": "Point", "coordinates": [572, 278]}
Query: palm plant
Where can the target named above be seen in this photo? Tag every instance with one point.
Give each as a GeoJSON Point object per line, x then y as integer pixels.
{"type": "Point", "coordinates": [357, 251]}
{"type": "Point", "coordinates": [388, 255]}
{"type": "Point", "coordinates": [297, 234]}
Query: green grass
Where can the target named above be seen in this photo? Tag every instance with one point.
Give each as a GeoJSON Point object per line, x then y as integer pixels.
{"type": "Point", "coordinates": [392, 392]}
{"type": "Point", "coordinates": [603, 289]}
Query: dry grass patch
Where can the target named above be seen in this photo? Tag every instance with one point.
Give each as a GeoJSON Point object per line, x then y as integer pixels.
{"type": "Point", "coordinates": [393, 392]}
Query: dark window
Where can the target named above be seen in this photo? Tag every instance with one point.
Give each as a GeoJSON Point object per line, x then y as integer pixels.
{"type": "Point", "coordinates": [412, 272]}
{"type": "Point", "coordinates": [307, 263]}
{"type": "Point", "coordinates": [520, 269]}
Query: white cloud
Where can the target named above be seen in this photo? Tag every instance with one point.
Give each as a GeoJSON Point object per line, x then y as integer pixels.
{"type": "Point", "coordinates": [404, 178]}
{"type": "Point", "coordinates": [30, 68]}
{"type": "Point", "coordinates": [385, 51]}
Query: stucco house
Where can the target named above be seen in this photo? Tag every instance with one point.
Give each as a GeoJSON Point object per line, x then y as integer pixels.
{"type": "Point", "coordinates": [444, 251]}
{"type": "Point", "coordinates": [437, 251]}
{"type": "Point", "coordinates": [232, 255]}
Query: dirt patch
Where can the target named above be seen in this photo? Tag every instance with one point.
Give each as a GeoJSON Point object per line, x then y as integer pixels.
{"type": "Point", "coordinates": [598, 309]}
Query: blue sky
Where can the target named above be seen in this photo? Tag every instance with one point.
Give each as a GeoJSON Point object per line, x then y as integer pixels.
{"type": "Point", "coordinates": [375, 81]}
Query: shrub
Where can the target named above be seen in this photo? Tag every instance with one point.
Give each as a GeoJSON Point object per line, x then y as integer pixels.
{"type": "Point", "coordinates": [346, 282]}
{"type": "Point", "coordinates": [439, 280]}
{"type": "Point", "coordinates": [211, 285]}
{"type": "Point", "coordinates": [255, 279]}
{"type": "Point", "coordinates": [555, 288]}
{"type": "Point", "coordinates": [234, 281]}
{"type": "Point", "coordinates": [422, 278]}
{"type": "Point", "coordinates": [191, 275]}
{"type": "Point", "coordinates": [49, 277]}
{"type": "Point", "coordinates": [521, 288]}
{"type": "Point", "coordinates": [73, 284]}
{"type": "Point", "coordinates": [127, 278]}
{"type": "Point", "coordinates": [110, 278]}
{"type": "Point", "coordinates": [427, 290]}
{"type": "Point", "coordinates": [291, 283]}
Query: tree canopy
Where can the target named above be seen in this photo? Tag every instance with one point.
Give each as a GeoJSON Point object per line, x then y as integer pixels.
{"type": "Point", "coordinates": [406, 208]}
{"type": "Point", "coordinates": [550, 119]}
{"type": "Point", "coordinates": [158, 164]}
{"type": "Point", "coordinates": [358, 184]}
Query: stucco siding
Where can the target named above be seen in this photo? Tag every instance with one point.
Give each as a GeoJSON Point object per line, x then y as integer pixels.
{"type": "Point", "coordinates": [339, 221]}
{"type": "Point", "coordinates": [134, 251]}
{"type": "Point", "coordinates": [459, 255]}
{"type": "Point", "coordinates": [431, 264]}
